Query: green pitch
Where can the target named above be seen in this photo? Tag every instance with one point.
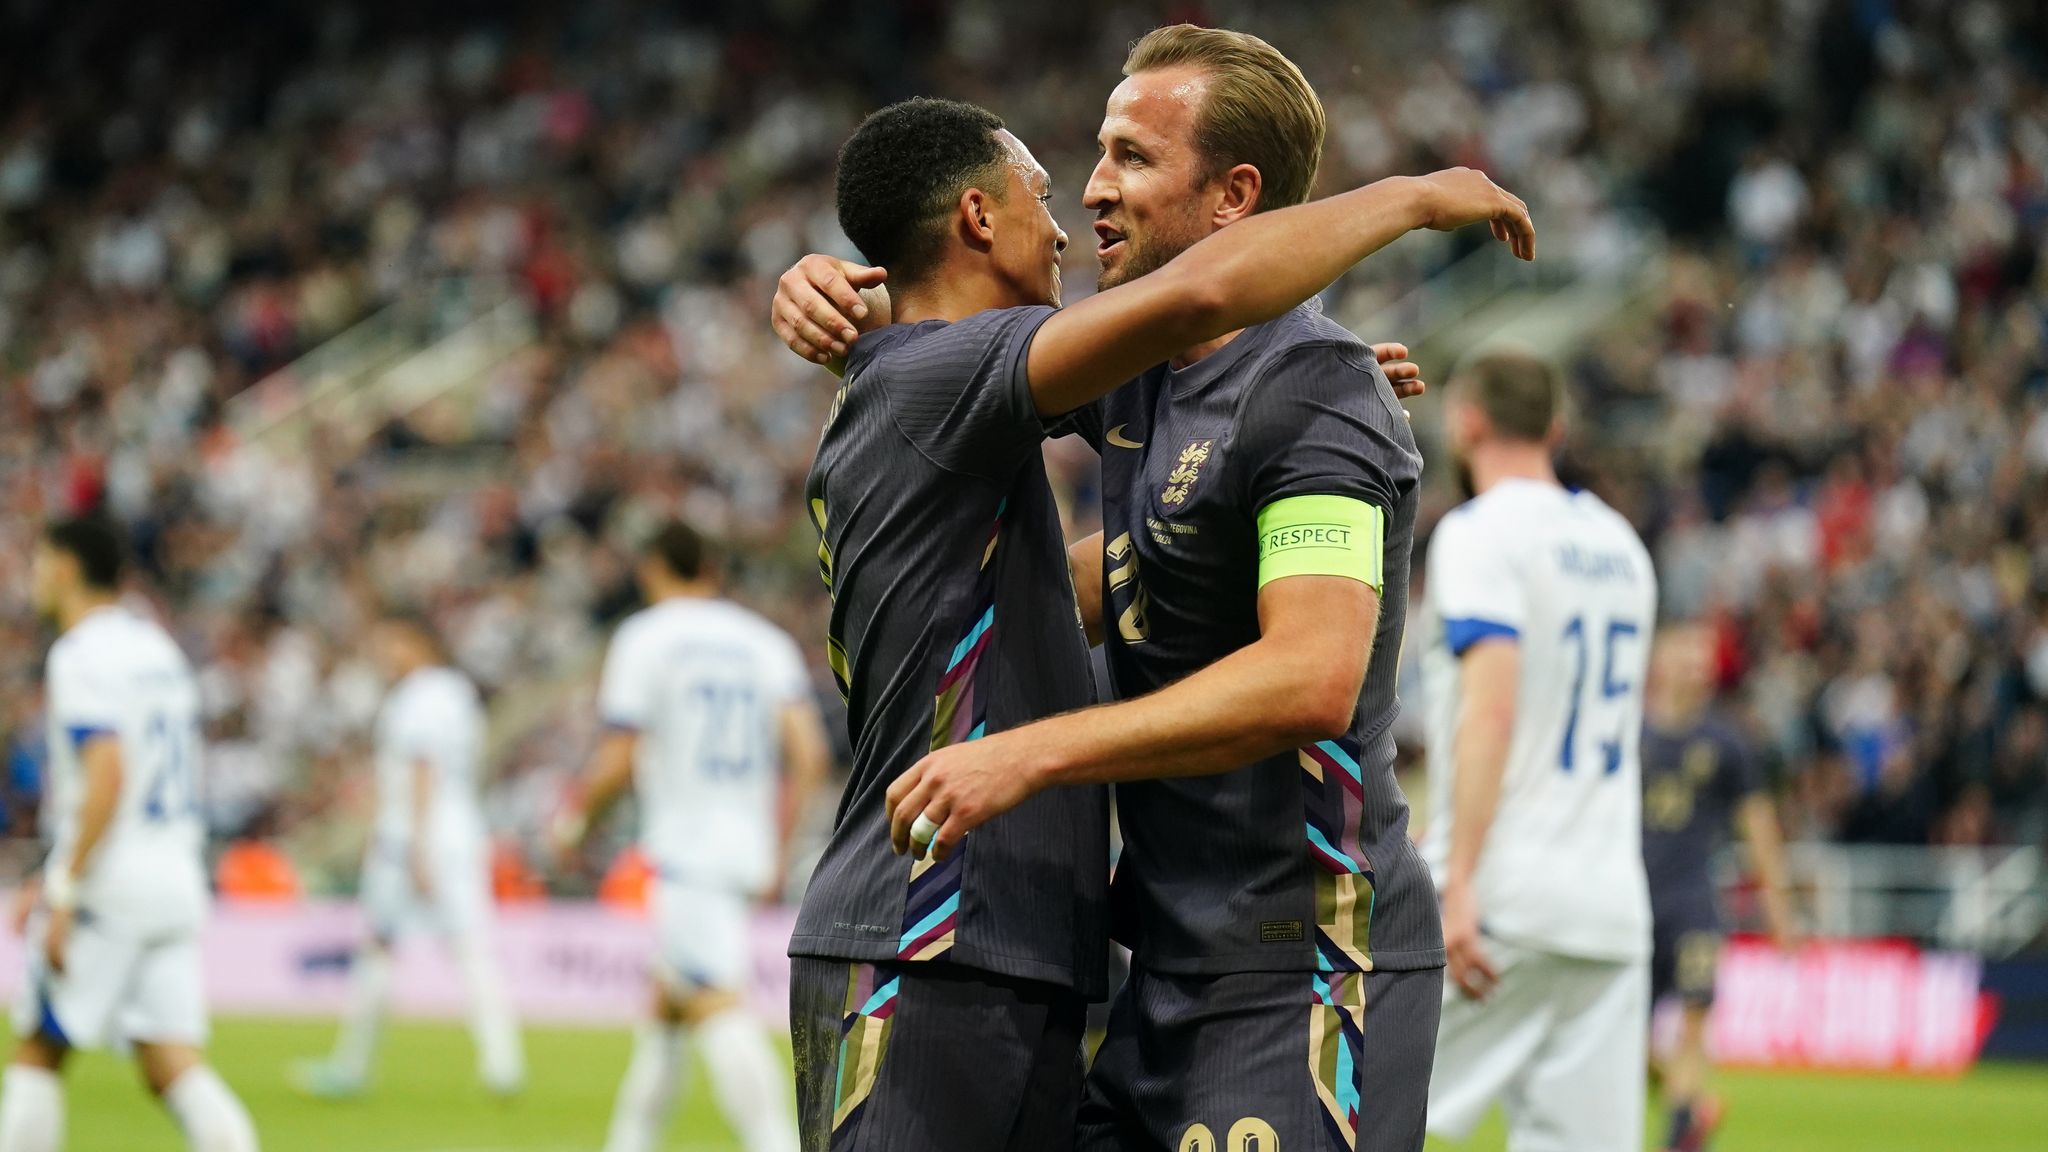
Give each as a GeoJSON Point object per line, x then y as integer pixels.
{"type": "Point", "coordinates": [426, 1100]}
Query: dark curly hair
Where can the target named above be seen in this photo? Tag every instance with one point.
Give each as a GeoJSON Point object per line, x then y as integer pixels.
{"type": "Point", "coordinates": [901, 172]}
{"type": "Point", "coordinates": [96, 544]}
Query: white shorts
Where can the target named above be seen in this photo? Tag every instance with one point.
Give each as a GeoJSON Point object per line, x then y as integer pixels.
{"type": "Point", "coordinates": [704, 938]}
{"type": "Point", "coordinates": [117, 988]}
{"type": "Point", "coordinates": [459, 904]}
{"type": "Point", "coordinates": [1559, 1043]}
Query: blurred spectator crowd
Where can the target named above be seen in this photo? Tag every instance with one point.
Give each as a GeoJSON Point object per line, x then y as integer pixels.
{"type": "Point", "coordinates": [1827, 408]}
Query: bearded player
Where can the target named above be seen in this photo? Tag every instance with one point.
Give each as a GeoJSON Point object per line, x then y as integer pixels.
{"type": "Point", "coordinates": [1541, 600]}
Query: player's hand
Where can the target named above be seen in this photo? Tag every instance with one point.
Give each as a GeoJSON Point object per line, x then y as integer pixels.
{"type": "Point", "coordinates": [57, 937]}
{"type": "Point", "coordinates": [958, 788]}
{"type": "Point", "coordinates": [422, 875]}
{"type": "Point", "coordinates": [1404, 374]}
{"type": "Point", "coordinates": [1456, 197]}
{"type": "Point", "coordinates": [565, 838]}
{"type": "Point", "coordinates": [1471, 970]}
{"type": "Point", "coordinates": [817, 308]}
{"type": "Point", "coordinates": [1788, 938]}
{"type": "Point", "coordinates": [778, 883]}
{"type": "Point", "coordinates": [25, 898]}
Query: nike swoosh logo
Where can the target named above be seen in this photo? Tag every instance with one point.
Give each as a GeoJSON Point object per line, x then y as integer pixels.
{"type": "Point", "coordinates": [1116, 437]}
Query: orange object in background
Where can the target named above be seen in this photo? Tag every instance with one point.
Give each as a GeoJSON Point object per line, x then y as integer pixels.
{"type": "Point", "coordinates": [627, 882]}
{"type": "Point", "coordinates": [513, 880]}
{"type": "Point", "coordinates": [255, 870]}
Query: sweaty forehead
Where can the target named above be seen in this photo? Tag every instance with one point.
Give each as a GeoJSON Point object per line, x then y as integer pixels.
{"type": "Point", "coordinates": [1157, 105]}
{"type": "Point", "coordinates": [1021, 162]}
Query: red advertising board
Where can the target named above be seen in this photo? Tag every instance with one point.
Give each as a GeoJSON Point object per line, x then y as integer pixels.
{"type": "Point", "coordinates": [1866, 1005]}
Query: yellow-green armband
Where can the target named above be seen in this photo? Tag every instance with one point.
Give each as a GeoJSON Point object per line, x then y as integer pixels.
{"type": "Point", "coordinates": [1322, 536]}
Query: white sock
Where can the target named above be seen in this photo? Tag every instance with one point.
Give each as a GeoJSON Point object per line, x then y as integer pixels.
{"type": "Point", "coordinates": [31, 1110]}
{"type": "Point", "coordinates": [500, 1059]}
{"type": "Point", "coordinates": [647, 1096]}
{"type": "Point", "coordinates": [356, 1046]}
{"type": "Point", "coordinates": [209, 1112]}
{"type": "Point", "coordinates": [752, 1086]}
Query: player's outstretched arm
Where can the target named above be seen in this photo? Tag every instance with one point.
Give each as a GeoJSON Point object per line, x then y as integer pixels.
{"type": "Point", "coordinates": [422, 804]}
{"type": "Point", "coordinates": [100, 759]}
{"type": "Point", "coordinates": [1488, 673]}
{"type": "Point", "coordinates": [1298, 683]}
{"type": "Point", "coordinates": [823, 303]}
{"type": "Point", "coordinates": [1250, 272]}
{"type": "Point", "coordinates": [1084, 561]}
{"type": "Point", "coordinates": [1759, 820]}
{"type": "Point", "coordinates": [807, 762]}
{"type": "Point", "coordinates": [603, 781]}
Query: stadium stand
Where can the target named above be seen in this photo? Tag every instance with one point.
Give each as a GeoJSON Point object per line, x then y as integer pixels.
{"type": "Point", "coordinates": [1826, 406]}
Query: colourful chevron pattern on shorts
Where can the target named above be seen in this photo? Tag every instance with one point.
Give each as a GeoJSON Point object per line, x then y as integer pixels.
{"type": "Point", "coordinates": [1333, 800]}
{"type": "Point", "coordinates": [864, 1029]}
{"type": "Point", "coordinates": [931, 911]}
{"type": "Point", "coordinates": [1336, 1045]}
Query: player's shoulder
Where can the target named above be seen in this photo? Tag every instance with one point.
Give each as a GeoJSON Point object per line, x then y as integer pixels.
{"type": "Point", "coordinates": [115, 636]}
{"type": "Point", "coordinates": [911, 352]}
{"type": "Point", "coordinates": [437, 689]}
{"type": "Point", "coordinates": [1304, 333]}
{"type": "Point", "coordinates": [1722, 731]}
{"type": "Point", "coordinates": [655, 626]}
{"type": "Point", "coordinates": [1307, 325]}
{"type": "Point", "coordinates": [637, 624]}
{"type": "Point", "coordinates": [1497, 519]}
{"type": "Point", "coordinates": [1608, 515]}
{"type": "Point", "coordinates": [1616, 533]}
{"type": "Point", "coordinates": [452, 683]}
{"type": "Point", "coordinates": [748, 625]}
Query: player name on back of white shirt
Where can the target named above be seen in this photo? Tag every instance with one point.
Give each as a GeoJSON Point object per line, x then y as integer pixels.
{"type": "Point", "coordinates": [1584, 563]}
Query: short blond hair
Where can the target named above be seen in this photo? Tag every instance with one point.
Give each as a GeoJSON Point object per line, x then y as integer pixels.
{"type": "Point", "coordinates": [1260, 109]}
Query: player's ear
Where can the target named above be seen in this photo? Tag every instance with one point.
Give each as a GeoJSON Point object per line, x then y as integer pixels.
{"type": "Point", "coordinates": [977, 227]}
{"type": "Point", "coordinates": [1240, 189]}
{"type": "Point", "coordinates": [1463, 422]}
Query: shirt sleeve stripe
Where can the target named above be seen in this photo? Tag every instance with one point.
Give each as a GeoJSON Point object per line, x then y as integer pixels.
{"type": "Point", "coordinates": [1464, 633]}
{"type": "Point", "coordinates": [80, 733]}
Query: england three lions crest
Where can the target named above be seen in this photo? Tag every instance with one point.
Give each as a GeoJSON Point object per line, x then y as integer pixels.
{"type": "Point", "coordinates": [1186, 471]}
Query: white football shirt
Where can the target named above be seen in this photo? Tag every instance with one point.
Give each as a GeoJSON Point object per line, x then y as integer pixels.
{"type": "Point", "coordinates": [1567, 578]}
{"type": "Point", "coordinates": [118, 674]}
{"type": "Point", "coordinates": [433, 715]}
{"type": "Point", "coordinates": [704, 683]}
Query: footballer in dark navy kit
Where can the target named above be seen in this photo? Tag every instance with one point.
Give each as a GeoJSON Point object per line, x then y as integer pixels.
{"type": "Point", "coordinates": [1700, 784]}
{"type": "Point", "coordinates": [1277, 907]}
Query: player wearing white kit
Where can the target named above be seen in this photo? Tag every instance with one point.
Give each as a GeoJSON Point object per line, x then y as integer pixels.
{"type": "Point", "coordinates": [1541, 604]}
{"type": "Point", "coordinates": [428, 862]}
{"type": "Point", "coordinates": [703, 701]}
{"type": "Point", "coordinates": [114, 935]}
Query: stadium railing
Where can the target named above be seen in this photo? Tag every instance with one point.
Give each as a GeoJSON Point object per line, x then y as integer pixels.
{"type": "Point", "coordinates": [1991, 900]}
{"type": "Point", "coordinates": [434, 338]}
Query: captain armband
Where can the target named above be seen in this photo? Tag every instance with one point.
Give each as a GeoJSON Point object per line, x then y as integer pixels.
{"type": "Point", "coordinates": [1322, 536]}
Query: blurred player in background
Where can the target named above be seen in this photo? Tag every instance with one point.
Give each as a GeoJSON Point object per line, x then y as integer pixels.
{"type": "Point", "coordinates": [428, 863]}
{"type": "Point", "coordinates": [1699, 782]}
{"type": "Point", "coordinates": [710, 718]}
{"type": "Point", "coordinates": [1541, 602]}
{"type": "Point", "coordinates": [114, 935]}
